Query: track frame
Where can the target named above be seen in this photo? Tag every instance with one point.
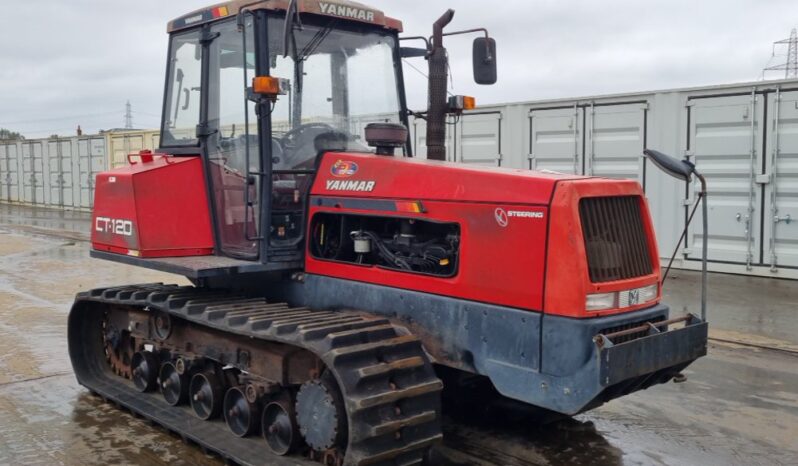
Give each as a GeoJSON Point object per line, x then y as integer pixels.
{"type": "Point", "coordinates": [390, 389]}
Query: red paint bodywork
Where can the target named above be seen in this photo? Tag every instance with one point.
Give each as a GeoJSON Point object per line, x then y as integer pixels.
{"type": "Point", "coordinates": [510, 265]}
{"type": "Point", "coordinates": [166, 201]}
{"type": "Point", "coordinates": [521, 238]}
{"type": "Point", "coordinates": [567, 277]}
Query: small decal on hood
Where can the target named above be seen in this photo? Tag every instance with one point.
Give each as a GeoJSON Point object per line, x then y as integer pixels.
{"type": "Point", "coordinates": [343, 168]}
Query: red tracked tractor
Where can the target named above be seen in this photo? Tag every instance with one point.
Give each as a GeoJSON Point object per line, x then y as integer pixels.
{"type": "Point", "coordinates": [339, 283]}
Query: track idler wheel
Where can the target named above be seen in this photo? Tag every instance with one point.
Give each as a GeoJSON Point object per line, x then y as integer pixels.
{"type": "Point", "coordinates": [279, 427]}
{"type": "Point", "coordinates": [321, 414]}
{"type": "Point", "coordinates": [174, 384]}
{"type": "Point", "coordinates": [240, 414]}
{"type": "Point", "coordinates": [144, 365]}
{"type": "Point", "coordinates": [205, 393]}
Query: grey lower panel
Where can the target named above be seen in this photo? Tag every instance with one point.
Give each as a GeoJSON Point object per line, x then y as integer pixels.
{"type": "Point", "coordinates": [198, 267]}
{"type": "Point", "coordinates": [459, 333]}
{"type": "Point", "coordinates": [543, 360]}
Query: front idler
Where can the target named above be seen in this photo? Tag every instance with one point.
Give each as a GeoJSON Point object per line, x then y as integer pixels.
{"type": "Point", "coordinates": [206, 392]}
{"type": "Point", "coordinates": [174, 383]}
{"type": "Point", "coordinates": [144, 366]}
{"type": "Point", "coordinates": [240, 413]}
{"type": "Point", "coordinates": [279, 427]}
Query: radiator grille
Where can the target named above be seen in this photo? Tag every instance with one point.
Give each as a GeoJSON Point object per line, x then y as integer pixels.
{"type": "Point", "coordinates": [615, 239]}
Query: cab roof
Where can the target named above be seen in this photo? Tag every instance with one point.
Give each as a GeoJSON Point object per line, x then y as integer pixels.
{"type": "Point", "coordinates": [344, 9]}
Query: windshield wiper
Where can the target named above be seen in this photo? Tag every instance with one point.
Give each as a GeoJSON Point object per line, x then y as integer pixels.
{"type": "Point", "coordinates": [291, 20]}
{"type": "Point", "coordinates": [180, 76]}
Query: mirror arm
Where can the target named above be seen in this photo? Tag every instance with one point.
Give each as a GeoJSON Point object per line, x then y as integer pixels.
{"type": "Point", "coordinates": [470, 31]}
{"type": "Point", "coordinates": [426, 41]}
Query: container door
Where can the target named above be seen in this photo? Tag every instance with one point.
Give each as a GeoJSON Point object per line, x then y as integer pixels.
{"type": "Point", "coordinates": [12, 156]}
{"type": "Point", "coordinates": [59, 154]}
{"type": "Point", "coordinates": [32, 173]}
{"type": "Point", "coordinates": [123, 145]}
{"type": "Point", "coordinates": [91, 160]}
{"type": "Point", "coordinates": [156, 140]}
{"type": "Point", "coordinates": [726, 145]}
{"type": "Point", "coordinates": [556, 140]}
{"type": "Point", "coordinates": [4, 175]}
{"type": "Point", "coordinates": [479, 139]}
{"type": "Point", "coordinates": [615, 141]}
{"type": "Point", "coordinates": [9, 179]}
{"type": "Point", "coordinates": [418, 127]}
{"type": "Point", "coordinates": [781, 190]}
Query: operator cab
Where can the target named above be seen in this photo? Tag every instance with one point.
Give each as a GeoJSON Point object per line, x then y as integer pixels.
{"type": "Point", "coordinates": [338, 75]}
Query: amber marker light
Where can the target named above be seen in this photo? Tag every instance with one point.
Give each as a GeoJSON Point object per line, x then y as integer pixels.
{"type": "Point", "coordinates": [269, 86]}
{"type": "Point", "coordinates": [460, 103]}
{"type": "Point", "coordinates": [410, 206]}
{"type": "Point", "coordinates": [469, 103]}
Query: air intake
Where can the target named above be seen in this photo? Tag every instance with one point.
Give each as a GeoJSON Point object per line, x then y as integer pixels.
{"type": "Point", "coordinates": [615, 239]}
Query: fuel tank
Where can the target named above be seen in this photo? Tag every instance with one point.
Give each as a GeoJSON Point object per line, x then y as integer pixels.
{"type": "Point", "coordinates": [157, 206]}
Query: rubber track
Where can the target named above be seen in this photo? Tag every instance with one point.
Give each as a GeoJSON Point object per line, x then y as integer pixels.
{"type": "Point", "coordinates": [379, 367]}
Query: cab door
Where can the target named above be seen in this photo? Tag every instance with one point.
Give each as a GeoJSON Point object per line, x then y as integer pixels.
{"type": "Point", "coordinates": [232, 140]}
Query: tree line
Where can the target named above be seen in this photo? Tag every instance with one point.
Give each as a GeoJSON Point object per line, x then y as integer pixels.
{"type": "Point", "coordinates": [7, 134]}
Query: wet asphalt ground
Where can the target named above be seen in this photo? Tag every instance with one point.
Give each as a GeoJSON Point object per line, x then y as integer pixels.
{"type": "Point", "coordinates": [739, 405]}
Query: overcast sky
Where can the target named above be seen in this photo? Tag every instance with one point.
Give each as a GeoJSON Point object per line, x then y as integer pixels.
{"type": "Point", "coordinates": [64, 63]}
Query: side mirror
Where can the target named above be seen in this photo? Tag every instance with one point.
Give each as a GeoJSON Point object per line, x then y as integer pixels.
{"type": "Point", "coordinates": [674, 167]}
{"type": "Point", "coordinates": [484, 52]}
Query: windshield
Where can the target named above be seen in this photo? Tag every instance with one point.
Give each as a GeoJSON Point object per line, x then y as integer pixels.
{"type": "Point", "coordinates": [341, 79]}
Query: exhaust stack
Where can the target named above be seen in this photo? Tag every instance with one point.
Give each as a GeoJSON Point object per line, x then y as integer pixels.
{"type": "Point", "coordinates": [438, 77]}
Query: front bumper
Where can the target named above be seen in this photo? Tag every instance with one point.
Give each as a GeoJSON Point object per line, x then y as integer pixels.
{"type": "Point", "coordinates": [659, 349]}
{"type": "Point", "coordinates": [582, 372]}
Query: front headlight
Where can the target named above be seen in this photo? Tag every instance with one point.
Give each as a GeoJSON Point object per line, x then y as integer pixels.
{"type": "Point", "coordinates": [601, 301]}
{"type": "Point", "coordinates": [621, 299]}
{"type": "Point", "coordinates": [648, 293]}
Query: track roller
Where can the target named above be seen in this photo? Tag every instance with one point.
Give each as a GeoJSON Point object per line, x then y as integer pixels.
{"type": "Point", "coordinates": [279, 427]}
{"type": "Point", "coordinates": [174, 384]}
{"type": "Point", "coordinates": [205, 393]}
{"type": "Point", "coordinates": [144, 366]}
{"type": "Point", "coordinates": [240, 414]}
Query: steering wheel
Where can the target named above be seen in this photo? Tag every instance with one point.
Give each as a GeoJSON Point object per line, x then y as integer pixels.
{"type": "Point", "coordinates": [295, 139]}
{"type": "Point", "coordinates": [291, 136]}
